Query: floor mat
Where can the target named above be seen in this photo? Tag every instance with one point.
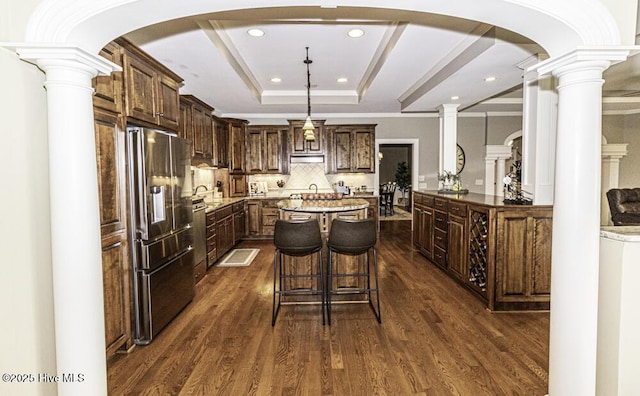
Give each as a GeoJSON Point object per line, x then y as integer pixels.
{"type": "Point", "coordinates": [238, 258]}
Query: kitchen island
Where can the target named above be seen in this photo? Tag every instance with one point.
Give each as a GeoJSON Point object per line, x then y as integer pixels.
{"type": "Point", "coordinates": [325, 211]}
{"type": "Point", "coordinates": [501, 252]}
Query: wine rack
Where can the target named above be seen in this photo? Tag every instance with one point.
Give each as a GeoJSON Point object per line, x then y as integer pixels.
{"type": "Point", "coordinates": [478, 256]}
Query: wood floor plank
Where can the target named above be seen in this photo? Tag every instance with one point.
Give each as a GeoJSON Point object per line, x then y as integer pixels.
{"type": "Point", "coordinates": [436, 338]}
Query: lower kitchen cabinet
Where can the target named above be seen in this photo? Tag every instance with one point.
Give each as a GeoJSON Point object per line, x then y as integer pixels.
{"type": "Point", "coordinates": [212, 239]}
{"type": "Point", "coordinates": [224, 230]}
{"type": "Point", "coordinates": [239, 221]}
{"type": "Point", "coordinates": [117, 296]}
{"type": "Point", "coordinates": [502, 253]}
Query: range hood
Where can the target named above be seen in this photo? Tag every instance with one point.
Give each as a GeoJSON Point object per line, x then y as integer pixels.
{"type": "Point", "coordinates": [306, 159]}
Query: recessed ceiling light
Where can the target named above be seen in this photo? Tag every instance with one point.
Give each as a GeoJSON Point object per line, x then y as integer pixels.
{"type": "Point", "coordinates": [489, 79]}
{"type": "Point", "coordinates": [342, 80]}
{"type": "Point", "coordinates": [455, 97]}
{"type": "Point", "coordinates": [355, 33]}
{"type": "Point", "coordinates": [255, 32]}
{"type": "Point", "coordinates": [276, 80]}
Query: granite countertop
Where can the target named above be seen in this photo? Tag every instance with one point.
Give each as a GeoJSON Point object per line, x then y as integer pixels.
{"type": "Point", "coordinates": [476, 198]}
{"type": "Point", "coordinates": [221, 202]}
{"type": "Point", "coordinates": [287, 193]}
{"type": "Point", "coordinates": [329, 205]}
{"type": "Point", "coordinates": [621, 233]}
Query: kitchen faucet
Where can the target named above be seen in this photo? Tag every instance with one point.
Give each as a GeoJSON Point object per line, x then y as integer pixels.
{"type": "Point", "coordinates": [313, 185]}
{"type": "Point", "coordinates": [202, 185]}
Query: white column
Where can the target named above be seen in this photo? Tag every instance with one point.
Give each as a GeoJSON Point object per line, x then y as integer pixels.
{"type": "Point", "coordinates": [75, 222]}
{"type": "Point", "coordinates": [576, 220]}
{"type": "Point", "coordinates": [494, 172]}
{"type": "Point", "coordinates": [448, 137]}
{"type": "Point", "coordinates": [611, 155]}
{"type": "Point", "coordinates": [540, 101]}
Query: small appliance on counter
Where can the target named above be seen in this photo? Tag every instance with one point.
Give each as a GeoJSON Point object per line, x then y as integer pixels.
{"type": "Point", "coordinates": [258, 188]}
{"type": "Point", "coordinates": [342, 189]}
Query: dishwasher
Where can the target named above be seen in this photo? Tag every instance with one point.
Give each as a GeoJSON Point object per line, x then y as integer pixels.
{"type": "Point", "coordinates": [199, 231]}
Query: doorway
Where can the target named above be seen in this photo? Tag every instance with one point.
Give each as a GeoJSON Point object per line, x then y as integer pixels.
{"type": "Point", "coordinates": [393, 158]}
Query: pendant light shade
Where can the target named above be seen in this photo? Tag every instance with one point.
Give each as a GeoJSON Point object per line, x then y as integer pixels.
{"type": "Point", "coordinates": [308, 127]}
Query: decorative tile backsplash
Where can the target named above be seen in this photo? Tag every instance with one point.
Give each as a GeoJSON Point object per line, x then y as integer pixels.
{"type": "Point", "coordinates": [302, 175]}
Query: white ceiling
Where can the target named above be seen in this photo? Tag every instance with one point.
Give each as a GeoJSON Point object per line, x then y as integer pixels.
{"type": "Point", "coordinates": [404, 63]}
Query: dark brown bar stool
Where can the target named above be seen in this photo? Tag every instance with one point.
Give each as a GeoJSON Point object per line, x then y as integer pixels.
{"type": "Point", "coordinates": [296, 239]}
{"type": "Point", "coordinates": [354, 238]}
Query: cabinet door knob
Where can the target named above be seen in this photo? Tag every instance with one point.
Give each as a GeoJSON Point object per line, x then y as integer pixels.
{"type": "Point", "coordinates": [160, 114]}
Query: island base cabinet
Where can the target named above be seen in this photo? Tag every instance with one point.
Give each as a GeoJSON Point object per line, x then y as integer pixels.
{"type": "Point", "coordinates": [500, 253]}
{"type": "Point", "coordinates": [523, 257]}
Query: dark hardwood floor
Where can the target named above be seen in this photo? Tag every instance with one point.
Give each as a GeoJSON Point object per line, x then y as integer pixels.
{"type": "Point", "coordinates": [435, 339]}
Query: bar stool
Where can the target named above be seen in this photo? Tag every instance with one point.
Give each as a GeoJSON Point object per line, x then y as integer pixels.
{"type": "Point", "coordinates": [296, 239]}
{"type": "Point", "coordinates": [353, 238]}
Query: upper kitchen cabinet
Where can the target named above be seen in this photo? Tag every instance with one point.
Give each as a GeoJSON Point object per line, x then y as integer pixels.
{"type": "Point", "coordinates": [266, 149]}
{"type": "Point", "coordinates": [220, 143]}
{"type": "Point", "coordinates": [108, 89]}
{"type": "Point", "coordinates": [196, 125]}
{"type": "Point", "coordinates": [351, 148]}
{"type": "Point", "coordinates": [150, 89]}
{"type": "Point", "coordinates": [237, 130]}
{"type": "Point", "coordinates": [300, 146]}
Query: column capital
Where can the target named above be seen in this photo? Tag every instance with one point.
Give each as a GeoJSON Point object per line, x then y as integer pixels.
{"type": "Point", "coordinates": [496, 152]}
{"type": "Point", "coordinates": [44, 56]}
{"type": "Point", "coordinates": [614, 151]}
{"type": "Point", "coordinates": [448, 108]}
{"type": "Point", "coordinates": [579, 57]}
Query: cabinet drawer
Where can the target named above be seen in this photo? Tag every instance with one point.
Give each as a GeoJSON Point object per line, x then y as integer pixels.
{"type": "Point", "coordinates": [270, 203]}
{"type": "Point", "coordinates": [417, 198]}
{"type": "Point", "coordinates": [211, 257]}
{"type": "Point", "coordinates": [440, 203]}
{"type": "Point", "coordinates": [211, 217]}
{"type": "Point", "coordinates": [428, 200]}
{"type": "Point", "coordinates": [211, 230]}
{"type": "Point", "coordinates": [238, 207]}
{"type": "Point", "coordinates": [211, 243]}
{"type": "Point", "coordinates": [439, 256]}
{"type": "Point", "coordinates": [440, 220]}
{"type": "Point", "coordinates": [199, 270]}
{"type": "Point", "coordinates": [440, 238]}
{"type": "Point", "coordinates": [224, 212]}
{"type": "Point", "coordinates": [458, 209]}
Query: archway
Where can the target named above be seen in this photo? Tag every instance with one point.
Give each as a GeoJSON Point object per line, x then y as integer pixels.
{"type": "Point", "coordinates": [557, 27]}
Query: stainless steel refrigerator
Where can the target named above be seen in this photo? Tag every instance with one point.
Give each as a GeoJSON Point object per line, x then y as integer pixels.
{"type": "Point", "coordinates": [161, 231]}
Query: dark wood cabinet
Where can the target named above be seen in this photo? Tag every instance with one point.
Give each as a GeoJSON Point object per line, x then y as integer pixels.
{"type": "Point", "coordinates": [220, 142]}
{"type": "Point", "coordinates": [196, 126]}
{"type": "Point", "coordinates": [239, 221]}
{"type": "Point", "coordinates": [116, 270]}
{"type": "Point", "coordinates": [253, 219]}
{"type": "Point", "coordinates": [108, 89]}
{"type": "Point", "coordinates": [236, 145]}
{"type": "Point", "coordinates": [224, 230]}
{"type": "Point", "coordinates": [237, 185]}
{"type": "Point", "coordinates": [423, 226]}
{"type": "Point", "coordinates": [523, 273]}
{"type": "Point", "coordinates": [151, 91]}
{"type": "Point", "coordinates": [266, 149]}
{"type": "Point", "coordinates": [456, 244]}
{"type": "Point", "coordinates": [299, 146]}
{"type": "Point", "coordinates": [212, 239]}
{"type": "Point", "coordinates": [351, 148]}
{"type": "Point", "coordinates": [502, 253]}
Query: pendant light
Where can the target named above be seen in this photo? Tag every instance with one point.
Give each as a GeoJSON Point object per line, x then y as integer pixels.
{"type": "Point", "coordinates": [308, 127]}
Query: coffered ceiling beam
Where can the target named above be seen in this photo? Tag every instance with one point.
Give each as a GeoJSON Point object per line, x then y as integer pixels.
{"type": "Point", "coordinates": [479, 40]}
